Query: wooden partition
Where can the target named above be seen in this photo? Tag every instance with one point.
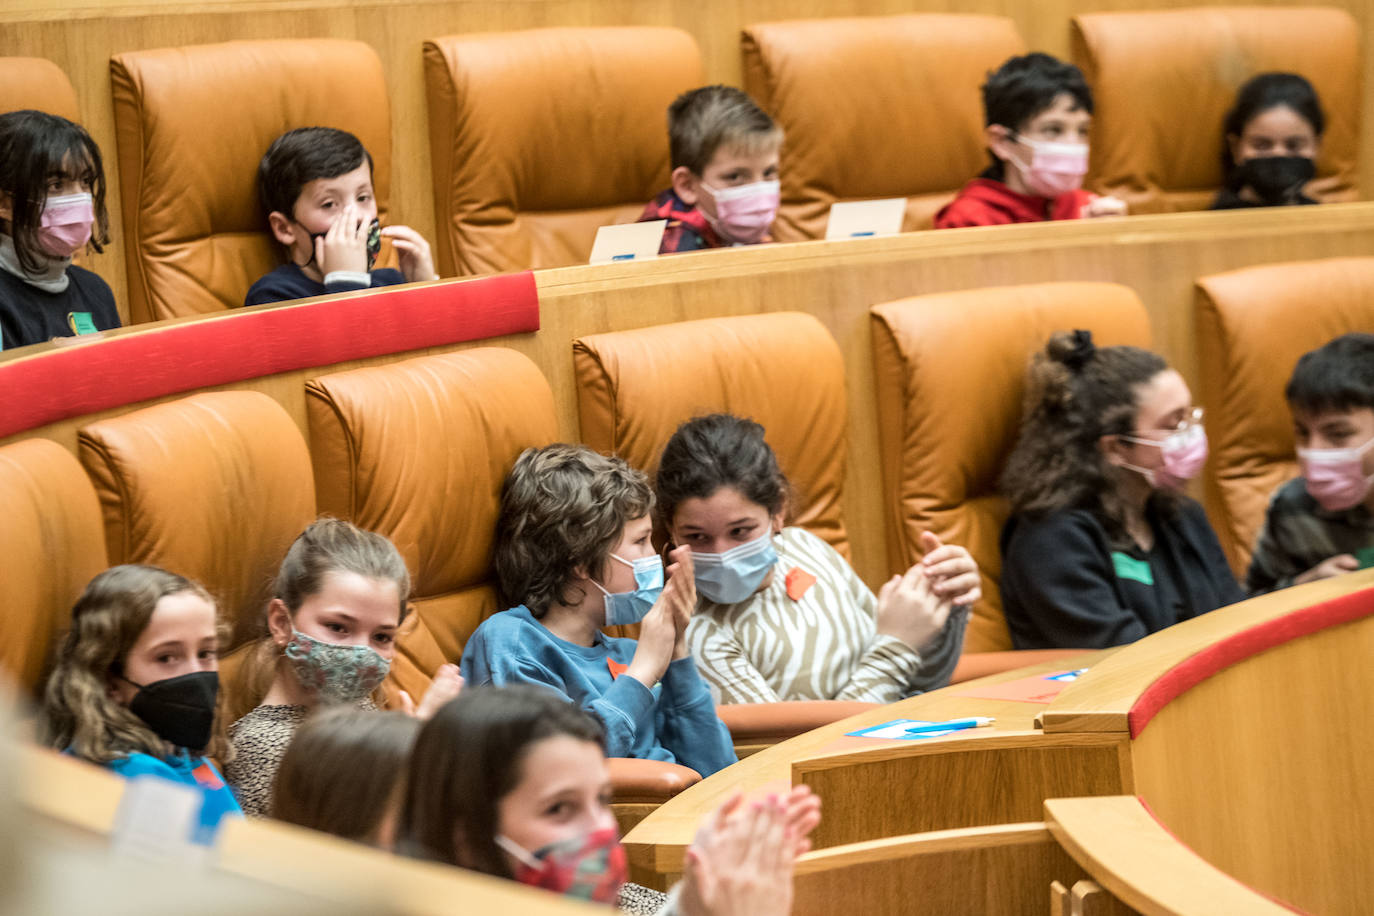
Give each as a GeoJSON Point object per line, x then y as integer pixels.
{"type": "Point", "coordinates": [80, 36]}
{"type": "Point", "coordinates": [1158, 256]}
{"type": "Point", "coordinates": [1250, 737]}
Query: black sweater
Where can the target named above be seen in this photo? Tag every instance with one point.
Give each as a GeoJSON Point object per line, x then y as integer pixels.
{"type": "Point", "coordinates": [29, 315]}
{"type": "Point", "coordinates": [1065, 586]}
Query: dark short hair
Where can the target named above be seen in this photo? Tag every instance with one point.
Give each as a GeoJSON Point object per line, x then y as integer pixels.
{"type": "Point", "coordinates": [34, 147]}
{"type": "Point", "coordinates": [469, 757]}
{"type": "Point", "coordinates": [1338, 375]}
{"type": "Point", "coordinates": [1026, 85]}
{"type": "Point", "coordinates": [703, 120]}
{"type": "Point", "coordinates": [719, 450]}
{"type": "Point", "coordinates": [301, 156]}
{"type": "Point", "coordinates": [1265, 92]}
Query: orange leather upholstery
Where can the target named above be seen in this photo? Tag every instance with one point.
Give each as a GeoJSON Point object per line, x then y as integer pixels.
{"type": "Point", "coordinates": [875, 107]}
{"type": "Point", "coordinates": [418, 451]}
{"type": "Point", "coordinates": [52, 543]}
{"type": "Point", "coordinates": [35, 82]}
{"type": "Point", "coordinates": [538, 138]}
{"type": "Point", "coordinates": [634, 388]}
{"type": "Point", "coordinates": [214, 487]}
{"type": "Point", "coordinates": [195, 235]}
{"type": "Point", "coordinates": [950, 371]}
{"type": "Point", "coordinates": [1163, 81]}
{"type": "Point", "coordinates": [1252, 325]}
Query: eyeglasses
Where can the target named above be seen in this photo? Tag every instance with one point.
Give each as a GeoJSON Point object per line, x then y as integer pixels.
{"type": "Point", "coordinates": [1193, 419]}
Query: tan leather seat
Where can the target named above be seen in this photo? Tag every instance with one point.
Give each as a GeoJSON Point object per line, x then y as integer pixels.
{"type": "Point", "coordinates": [538, 138]}
{"type": "Point", "coordinates": [1252, 325]}
{"type": "Point", "coordinates": [52, 542]}
{"type": "Point", "coordinates": [214, 487]}
{"type": "Point", "coordinates": [634, 388]}
{"type": "Point", "coordinates": [875, 107]}
{"type": "Point", "coordinates": [950, 370]}
{"type": "Point", "coordinates": [1163, 82]}
{"type": "Point", "coordinates": [192, 125]}
{"type": "Point", "coordinates": [35, 82]}
{"type": "Point", "coordinates": [418, 451]}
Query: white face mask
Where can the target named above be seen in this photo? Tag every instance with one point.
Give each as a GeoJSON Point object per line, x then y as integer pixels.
{"type": "Point", "coordinates": [745, 212]}
{"type": "Point", "coordinates": [1054, 168]}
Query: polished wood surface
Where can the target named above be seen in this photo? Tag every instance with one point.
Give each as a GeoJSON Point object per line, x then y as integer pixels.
{"type": "Point", "coordinates": [81, 35]}
{"type": "Point", "coordinates": [1003, 870]}
{"type": "Point", "coordinates": [1158, 256]}
{"type": "Point", "coordinates": [658, 843]}
{"type": "Point", "coordinates": [1127, 851]}
{"type": "Point", "coordinates": [1101, 700]}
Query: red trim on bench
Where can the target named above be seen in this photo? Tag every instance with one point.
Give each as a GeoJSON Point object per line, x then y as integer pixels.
{"type": "Point", "coordinates": [1165, 827]}
{"type": "Point", "coordinates": [1239, 646]}
{"type": "Point", "coordinates": [88, 377]}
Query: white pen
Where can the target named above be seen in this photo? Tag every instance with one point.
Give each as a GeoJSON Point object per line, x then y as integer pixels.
{"type": "Point", "coordinates": [951, 725]}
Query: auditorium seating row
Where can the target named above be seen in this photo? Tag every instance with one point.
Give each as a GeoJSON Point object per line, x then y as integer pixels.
{"type": "Point", "coordinates": [527, 162]}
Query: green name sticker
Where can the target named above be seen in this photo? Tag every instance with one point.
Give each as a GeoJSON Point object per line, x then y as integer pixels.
{"type": "Point", "coordinates": [1366, 557]}
{"type": "Point", "coordinates": [81, 322]}
{"type": "Point", "coordinates": [1128, 567]}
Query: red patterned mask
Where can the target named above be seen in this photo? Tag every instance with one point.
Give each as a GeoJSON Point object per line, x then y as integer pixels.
{"type": "Point", "coordinates": [590, 866]}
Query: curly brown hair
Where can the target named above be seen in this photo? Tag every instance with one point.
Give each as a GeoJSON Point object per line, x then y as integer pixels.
{"type": "Point", "coordinates": [79, 712]}
{"type": "Point", "coordinates": [563, 507]}
{"type": "Point", "coordinates": [1076, 393]}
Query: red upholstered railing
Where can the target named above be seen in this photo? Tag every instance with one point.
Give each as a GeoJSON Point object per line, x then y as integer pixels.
{"type": "Point", "coordinates": [1239, 646]}
{"type": "Point", "coordinates": [84, 378]}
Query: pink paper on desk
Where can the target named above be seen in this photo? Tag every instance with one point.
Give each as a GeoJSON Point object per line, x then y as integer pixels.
{"type": "Point", "coordinates": [1039, 688]}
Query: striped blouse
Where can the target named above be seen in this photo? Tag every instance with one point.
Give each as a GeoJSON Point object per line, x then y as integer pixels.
{"type": "Point", "coordinates": [820, 642]}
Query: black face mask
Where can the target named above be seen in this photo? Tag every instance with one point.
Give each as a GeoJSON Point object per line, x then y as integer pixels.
{"type": "Point", "coordinates": [374, 243]}
{"type": "Point", "coordinates": [180, 710]}
{"type": "Point", "coordinates": [1276, 179]}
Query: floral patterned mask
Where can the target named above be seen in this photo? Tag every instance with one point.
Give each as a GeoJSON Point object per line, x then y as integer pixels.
{"type": "Point", "coordinates": [334, 673]}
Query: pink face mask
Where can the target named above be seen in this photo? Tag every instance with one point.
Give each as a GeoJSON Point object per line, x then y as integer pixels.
{"type": "Point", "coordinates": [65, 225]}
{"type": "Point", "coordinates": [745, 212]}
{"type": "Point", "coordinates": [1183, 455]}
{"type": "Point", "coordinates": [1335, 476]}
{"type": "Point", "coordinates": [1054, 168]}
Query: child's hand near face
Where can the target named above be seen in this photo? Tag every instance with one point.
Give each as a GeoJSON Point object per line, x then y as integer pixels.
{"type": "Point", "coordinates": [344, 246]}
{"type": "Point", "coordinates": [951, 569]}
{"type": "Point", "coordinates": [447, 684]}
{"type": "Point", "coordinates": [1105, 206]}
{"type": "Point", "coordinates": [416, 261]}
{"type": "Point", "coordinates": [680, 594]}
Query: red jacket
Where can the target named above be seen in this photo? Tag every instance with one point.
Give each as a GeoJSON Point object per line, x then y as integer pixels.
{"type": "Point", "coordinates": [987, 202]}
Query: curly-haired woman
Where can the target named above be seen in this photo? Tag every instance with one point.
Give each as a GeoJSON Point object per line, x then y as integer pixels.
{"type": "Point", "coordinates": [1102, 547]}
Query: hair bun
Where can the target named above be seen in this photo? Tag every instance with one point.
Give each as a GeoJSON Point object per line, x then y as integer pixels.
{"type": "Point", "coordinates": [1075, 350]}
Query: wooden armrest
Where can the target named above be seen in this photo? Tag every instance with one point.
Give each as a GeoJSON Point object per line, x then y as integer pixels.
{"type": "Point", "coordinates": [648, 781]}
{"type": "Point", "coordinates": [775, 721]}
{"type": "Point", "coordinates": [973, 665]}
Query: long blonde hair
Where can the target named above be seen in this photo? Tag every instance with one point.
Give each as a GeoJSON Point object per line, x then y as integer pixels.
{"type": "Point", "coordinates": [79, 712]}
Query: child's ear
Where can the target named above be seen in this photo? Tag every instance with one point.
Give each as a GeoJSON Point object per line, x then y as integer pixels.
{"type": "Point", "coordinates": [685, 185]}
{"type": "Point", "coordinates": [6, 206]}
{"type": "Point", "coordinates": [283, 229]}
{"type": "Point", "coordinates": [1233, 143]}
{"type": "Point", "coordinates": [998, 139]}
{"type": "Point", "coordinates": [1111, 447]}
{"type": "Point", "coordinates": [279, 622]}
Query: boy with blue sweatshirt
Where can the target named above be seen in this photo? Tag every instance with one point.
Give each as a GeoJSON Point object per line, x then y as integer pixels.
{"type": "Point", "coordinates": [573, 551]}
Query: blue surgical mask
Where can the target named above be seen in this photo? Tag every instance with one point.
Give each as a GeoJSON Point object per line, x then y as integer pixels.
{"type": "Point", "coordinates": [732, 576]}
{"type": "Point", "coordinates": [624, 608]}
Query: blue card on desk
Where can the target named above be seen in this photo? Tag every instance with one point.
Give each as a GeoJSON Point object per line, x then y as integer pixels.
{"type": "Point", "coordinates": [897, 729]}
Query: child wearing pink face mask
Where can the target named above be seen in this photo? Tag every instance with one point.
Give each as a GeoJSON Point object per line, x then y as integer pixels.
{"type": "Point", "coordinates": [1038, 111]}
{"type": "Point", "coordinates": [1321, 524]}
{"type": "Point", "coordinates": [724, 151]}
{"type": "Point", "coordinates": [52, 205]}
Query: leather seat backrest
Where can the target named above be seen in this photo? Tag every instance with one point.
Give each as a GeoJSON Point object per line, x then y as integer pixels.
{"type": "Point", "coordinates": [950, 371]}
{"type": "Point", "coordinates": [1163, 82]}
{"type": "Point", "coordinates": [214, 487]}
{"type": "Point", "coordinates": [192, 124]}
{"type": "Point", "coordinates": [52, 542]}
{"type": "Point", "coordinates": [634, 388]}
{"type": "Point", "coordinates": [36, 82]}
{"type": "Point", "coordinates": [418, 451]}
{"type": "Point", "coordinates": [876, 107]}
{"type": "Point", "coordinates": [1252, 325]}
{"type": "Point", "coordinates": [539, 138]}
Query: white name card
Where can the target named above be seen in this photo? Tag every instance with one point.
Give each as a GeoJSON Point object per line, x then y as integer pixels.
{"type": "Point", "coordinates": [628, 242]}
{"type": "Point", "coordinates": [863, 218]}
